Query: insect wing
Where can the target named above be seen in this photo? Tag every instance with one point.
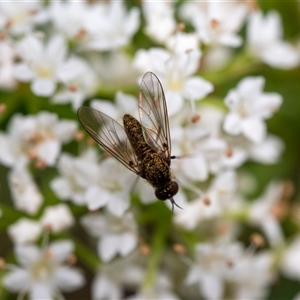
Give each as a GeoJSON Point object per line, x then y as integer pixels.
{"type": "Point", "coordinates": [153, 113]}
{"type": "Point", "coordinates": [110, 135]}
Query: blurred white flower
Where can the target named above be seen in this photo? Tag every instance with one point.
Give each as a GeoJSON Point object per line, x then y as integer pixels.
{"type": "Point", "coordinates": [42, 273]}
{"type": "Point", "coordinates": [109, 284]}
{"type": "Point", "coordinates": [113, 68]}
{"type": "Point", "coordinates": [160, 21]}
{"type": "Point", "coordinates": [116, 235]}
{"type": "Point", "coordinates": [25, 193]}
{"type": "Point", "coordinates": [109, 26]}
{"type": "Point", "coordinates": [264, 37]}
{"type": "Point", "coordinates": [20, 19]}
{"type": "Point", "coordinates": [69, 18]}
{"type": "Point", "coordinates": [175, 73]}
{"type": "Point", "coordinates": [216, 22]}
{"type": "Point", "coordinates": [267, 152]}
{"type": "Point", "coordinates": [291, 259]}
{"type": "Point", "coordinates": [57, 218]}
{"type": "Point", "coordinates": [210, 267]}
{"type": "Point", "coordinates": [7, 57]}
{"type": "Point", "coordinates": [249, 106]}
{"type": "Point", "coordinates": [35, 137]}
{"type": "Point", "coordinates": [217, 58]}
{"type": "Point", "coordinates": [160, 290]}
{"type": "Point", "coordinates": [123, 103]}
{"type": "Point", "coordinates": [251, 275]}
{"type": "Point", "coordinates": [24, 231]}
{"type": "Point", "coordinates": [266, 212]}
{"type": "Point", "coordinates": [206, 151]}
{"type": "Point", "coordinates": [110, 188]}
{"type": "Point", "coordinates": [76, 174]}
{"type": "Point", "coordinates": [182, 42]}
{"type": "Point", "coordinates": [211, 204]}
{"type": "Point", "coordinates": [85, 180]}
{"type": "Point", "coordinates": [79, 81]}
{"type": "Point", "coordinates": [41, 63]}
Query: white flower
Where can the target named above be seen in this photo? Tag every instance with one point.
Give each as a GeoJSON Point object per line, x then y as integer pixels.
{"type": "Point", "coordinates": [211, 204]}
{"type": "Point", "coordinates": [58, 218]}
{"type": "Point", "coordinates": [25, 193]}
{"type": "Point", "coordinates": [160, 22]}
{"type": "Point", "coordinates": [77, 173]}
{"type": "Point", "coordinates": [216, 22]}
{"type": "Point", "coordinates": [267, 152]}
{"type": "Point", "coordinates": [109, 284]}
{"type": "Point", "coordinates": [206, 151]}
{"type": "Point", "coordinates": [183, 42]}
{"type": "Point", "coordinates": [40, 63]}
{"type": "Point", "coordinates": [249, 107]}
{"type": "Point", "coordinates": [24, 231]}
{"type": "Point", "coordinates": [175, 73]}
{"type": "Point", "coordinates": [116, 235]}
{"type": "Point", "coordinates": [116, 110]}
{"type": "Point", "coordinates": [250, 275]}
{"type": "Point", "coordinates": [20, 19]}
{"type": "Point", "coordinates": [265, 212]}
{"type": "Point", "coordinates": [264, 37]}
{"type": "Point", "coordinates": [160, 290]}
{"type": "Point", "coordinates": [109, 26]}
{"type": "Point", "coordinates": [110, 188]}
{"type": "Point", "coordinates": [36, 137]}
{"type": "Point", "coordinates": [114, 68]}
{"type": "Point", "coordinates": [69, 18]}
{"type": "Point", "coordinates": [291, 260]}
{"type": "Point", "coordinates": [79, 81]}
{"type": "Point", "coordinates": [210, 267]}
{"type": "Point", "coordinates": [42, 272]}
{"type": "Point", "coordinates": [7, 79]}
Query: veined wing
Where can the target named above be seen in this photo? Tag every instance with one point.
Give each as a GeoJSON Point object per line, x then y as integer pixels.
{"type": "Point", "coordinates": [153, 114]}
{"type": "Point", "coordinates": [110, 135]}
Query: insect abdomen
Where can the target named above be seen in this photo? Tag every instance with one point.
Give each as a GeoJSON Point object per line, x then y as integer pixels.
{"type": "Point", "coordinates": [134, 132]}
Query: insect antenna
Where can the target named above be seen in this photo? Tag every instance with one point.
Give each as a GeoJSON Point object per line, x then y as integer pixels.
{"type": "Point", "coordinates": [174, 203]}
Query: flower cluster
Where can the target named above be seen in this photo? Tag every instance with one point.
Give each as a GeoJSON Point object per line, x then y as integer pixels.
{"type": "Point", "coordinates": [62, 194]}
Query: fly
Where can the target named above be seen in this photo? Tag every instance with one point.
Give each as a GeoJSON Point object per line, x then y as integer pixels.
{"type": "Point", "coordinates": [144, 146]}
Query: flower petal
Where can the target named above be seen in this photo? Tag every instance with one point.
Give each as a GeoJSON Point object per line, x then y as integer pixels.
{"type": "Point", "coordinates": [127, 243]}
{"type": "Point", "coordinates": [67, 279]}
{"type": "Point", "coordinates": [232, 124]}
{"type": "Point", "coordinates": [16, 280]}
{"type": "Point", "coordinates": [43, 87]}
{"type": "Point", "coordinates": [108, 247]}
{"type": "Point", "coordinates": [197, 88]}
{"type": "Point", "coordinates": [254, 129]}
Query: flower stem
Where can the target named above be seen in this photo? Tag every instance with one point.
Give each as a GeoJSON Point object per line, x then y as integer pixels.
{"type": "Point", "coordinates": [156, 253]}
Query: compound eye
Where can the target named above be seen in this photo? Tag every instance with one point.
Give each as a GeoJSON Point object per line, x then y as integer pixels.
{"type": "Point", "coordinates": [161, 195]}
{"type": "Point", "coordinates": [164, 195]}
{"type": "Point", "coordinates": [174, 189]}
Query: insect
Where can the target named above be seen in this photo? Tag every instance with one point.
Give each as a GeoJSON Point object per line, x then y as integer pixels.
{"type": "Point", "coordinates": [143, 147]}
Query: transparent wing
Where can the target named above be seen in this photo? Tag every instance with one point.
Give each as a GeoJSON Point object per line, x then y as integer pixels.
{"type": "Point", "coordinates": [110, 135]}
{"type": "Point", "coordinates": [153, 114]}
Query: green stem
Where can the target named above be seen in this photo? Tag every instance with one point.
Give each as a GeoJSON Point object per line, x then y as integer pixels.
{"type": "Point", "coordinates": [156, 253]}
{"type": "Point", "coordinates": [242, 65]}
{"type": "Point", "coordinates": [85, 255]}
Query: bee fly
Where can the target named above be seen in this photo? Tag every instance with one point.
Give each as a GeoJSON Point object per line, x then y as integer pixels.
{"type": "Point", "coordinates": [143, 147]}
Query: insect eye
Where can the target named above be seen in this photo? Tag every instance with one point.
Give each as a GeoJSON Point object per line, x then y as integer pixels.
{"type": "Point", "coordinates": [164, 195]}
